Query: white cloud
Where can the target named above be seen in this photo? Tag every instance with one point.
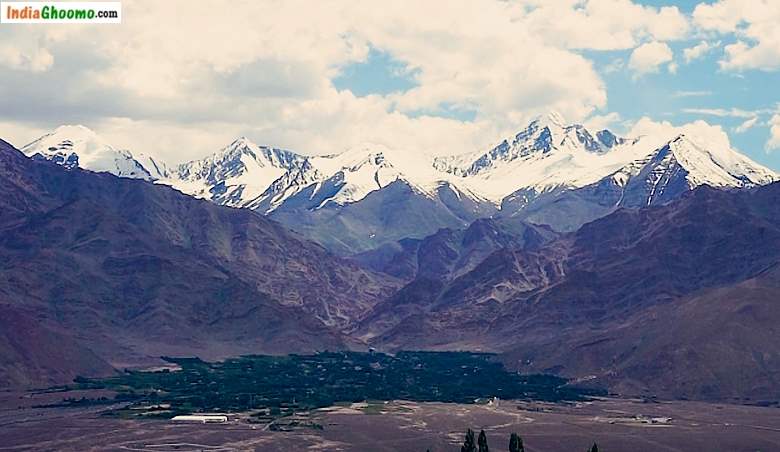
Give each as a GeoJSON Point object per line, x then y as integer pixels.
{"type": "Point", "coordinates": [614, 66]}
{"type": "Point", "coordinates": [25, 56]}
{"type": "Point", "coordinates": [265, 70]}
{"type": "Point", "coordinates": [754, 22]}
{"type": "Point", "coordinates": [601, 122]}
{"type": "Point", "coordinates": [724, 113]}
{"type": "Point", "coordinates": [763, 56]}
{"type": "Point", "coordinates": [704, 133]}
{"type": "Point", "coordinates": [774, 133]}
{"type": "Point", "coordinates": [747, 125]}
{"type": "Point", "coordinates": [604, 24]}
{"type": "Point", "coordinates": [19, 134]}
{"type": "Point", "coordinates": [648, 57]}
{"type": "Point", "coordinates": [721, 16]}
{"type": "Point", "coordinates": [699, 50]}
{"type": "Point", "coordinates": [692, 93]}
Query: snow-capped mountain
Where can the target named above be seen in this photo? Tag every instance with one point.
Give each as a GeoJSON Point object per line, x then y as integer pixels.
{"type": "Point", "coordinates": [546, 155]}
{"type": "Point", "coordinates": [658, 177]}
{"type": "Point", "coordinates": [542, 136]}
{"type": "Point", "coordinates": [77, 146]}
{"type": "Point", "coordinates": [682, 164]}
{"type": "Point", "coordinates": [235, 175]}
{"type": "Point", "coordinates": [550, 173]}
{"type": "Point", "coordinates": [350, 176]}
{"type": "Point", "coordinates": [339, 179]}
{"type": "Point", "coordinates": [550, 156]}
{"type": "Point", "coordinates": [367, 196]}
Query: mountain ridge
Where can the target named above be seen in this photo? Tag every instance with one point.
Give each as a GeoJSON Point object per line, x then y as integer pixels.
{"type": "Point", "coordinates": [122, 271]}
{"type": "Point", "coordinates": [620, 301]}
{"type": "Point", "coordinates": [538, 175]}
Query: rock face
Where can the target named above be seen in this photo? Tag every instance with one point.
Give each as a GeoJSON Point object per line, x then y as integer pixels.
{"type": "Point", "coordinates": [237, 174]}
{"type": "Point", "coordinates": [661, 177]}
{"type": "Point", "coordinates": [114, 271]}
{"type": "Point", "coordinates": [452, 252]}
{"type": "Point", "coordinates": [550, 173]}
{"type": "Point", "coordinates": [678, 300]}
{"type": "Point", "coordinates": [662, 277]}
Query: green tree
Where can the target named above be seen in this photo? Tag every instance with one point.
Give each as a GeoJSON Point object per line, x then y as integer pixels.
{"type": "Point", "coordinates": [482, 442]}
{"type": "Point", "coordinates": [469, 445]}
{"type": "Point", "coordinates": [516, 443]}
{"type": "Point", "coordinates": [594, 448]}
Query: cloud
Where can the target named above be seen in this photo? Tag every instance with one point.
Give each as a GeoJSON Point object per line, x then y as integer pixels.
{"type": "Point", "coordinates": [747, 125]}
{"type": "Point", "coordinates": [702, 132]}
{"type": "Point", "coordinates": [753, 22]}
{"type": "Point", "coordinates": [614, 66]}
{"type": "Point", "coordinates": [20, 134]}
{"type": "Point", "coordinates": [601, 122]}
{"type": "Point", "coordinates": [699, 50]}
{"type": "Point", "coordinates": [648, 57]}
{"type": "Point", "coordinates": [603, 24]}
{"type": "Point", "coordinates": [723, 113]}
{"type": "Point", "coordinates": [691, 93]}
{"type": "Point", "coordinates": [266, 70]}
{"type": "Point", "coordinates": [25, 56]}
{"type": "Point", "coordinates": [774, 133]}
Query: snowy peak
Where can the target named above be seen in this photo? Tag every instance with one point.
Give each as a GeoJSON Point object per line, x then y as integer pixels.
{"type": "Point", "coordinates": [339, 178]}
{"type": "Point", "coordinates": [288, 185]}
{"type": "Point", "coordinates": [237, 174]}
{"type": "Point", "coordinates": [713, 165]}
{"type": "Point", "coordinates": [237, 158]}
{"type": "Point", "coordinates": [550, 156]}
{"type": "Point", "coordinates": [365, 173]}
{"type": "Point", "coordinates": [543, 137]}
{"type": "Point", "coordinates": [577, 136]}
{"type": "Point", "coordinates": [681, 164]}
{"type": "Point", "coordinates": [553, 122]}
{"type": "Point", "coordinates": [350, 176]}
{"type": "Point", "coordinates": [77, 146]}
{"type": "Point", "coordinates": [545, 158]}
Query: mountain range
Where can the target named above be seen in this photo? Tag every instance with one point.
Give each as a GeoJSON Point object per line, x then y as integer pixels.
{"type": "Point", "coordinates": [677, 300]}
{"type": "Point", "coordinates": [550, 173]}
{"type": "Point", "coordinates": [100, 272]}
{"type": "Point", "coordinates": [654, 277]}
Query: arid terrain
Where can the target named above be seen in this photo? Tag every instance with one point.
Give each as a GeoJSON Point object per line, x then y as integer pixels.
{"type": "Point", "coordinates": [615, 424]}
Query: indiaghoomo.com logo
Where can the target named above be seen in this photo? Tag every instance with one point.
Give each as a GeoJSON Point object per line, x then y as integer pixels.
{"type": "Point", "coordinates": [60, 12]}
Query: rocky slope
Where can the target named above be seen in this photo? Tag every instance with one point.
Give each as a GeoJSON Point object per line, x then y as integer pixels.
{"type": "Point", "coordinates": [635, 300]}
{"type": "Point", "coordinates": [668, 289]}
{"type": "Point", "coordinates": [112, 271]}
{"type": "Point", "coordinates": [551, 173]}
{"type": "Point", "coordinates": [450, 253]}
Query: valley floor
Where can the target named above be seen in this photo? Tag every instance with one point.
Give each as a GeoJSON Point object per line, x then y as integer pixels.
{"type": "Point", "coordinates": [616, 424]}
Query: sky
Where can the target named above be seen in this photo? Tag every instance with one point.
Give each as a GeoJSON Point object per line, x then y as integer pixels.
{"type": "Point", "coordinates": [180, 79]}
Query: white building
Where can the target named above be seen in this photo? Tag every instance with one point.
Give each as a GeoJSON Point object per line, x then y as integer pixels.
{"type": "Point", "coordinates": [201, 418]}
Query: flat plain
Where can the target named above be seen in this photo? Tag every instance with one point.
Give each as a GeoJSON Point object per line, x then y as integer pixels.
{"type": "Point", "coordinates": [615, 424]}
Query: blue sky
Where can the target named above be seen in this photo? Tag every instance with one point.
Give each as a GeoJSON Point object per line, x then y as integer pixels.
{"type": "Point", "coordinates": [700, 85]}
{"type": "Point", "coordinates": [698, 90]}
{"type": "Point", "coordinates": [436, 77]}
